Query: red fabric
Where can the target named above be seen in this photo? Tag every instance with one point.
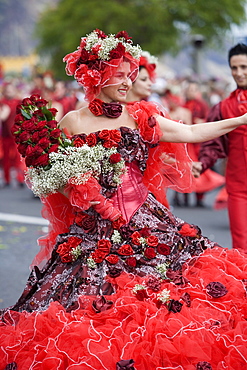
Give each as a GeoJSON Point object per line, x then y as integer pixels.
{"type": "Point", "coordinates": [237, 210]}
{"type": "Point", "coordinates": [169, 164]}
{"type": "Point", "coordinates": [209, 329]}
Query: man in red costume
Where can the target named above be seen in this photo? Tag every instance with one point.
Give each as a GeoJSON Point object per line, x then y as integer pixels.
{"type": "Point", "coordinates": [233, 146]}
{"type": "Point", "coordinates": [11, 156]}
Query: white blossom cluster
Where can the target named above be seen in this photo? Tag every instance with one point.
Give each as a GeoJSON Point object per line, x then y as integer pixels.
{"type": "Point", "coordinates": [150, 58]}
{"type": "Point", "coordinates": [161, 269]}
{"type": "Point", "coordinates": [73, 162]}
{"type": "Point", "coordinates": [164, 296]}
{"type": "Point", "coordinates": [138, 287]}
{"type": "Point", "coordinates": [109, 43]}
{"type": "Point", "coordinates": [116, 237]}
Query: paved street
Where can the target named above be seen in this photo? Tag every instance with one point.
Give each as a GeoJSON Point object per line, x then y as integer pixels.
{"type": "Point", "coordinates": [21, 225]}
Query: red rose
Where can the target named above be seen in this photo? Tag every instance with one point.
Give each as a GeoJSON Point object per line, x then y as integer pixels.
{"type": "Point", "coordinates": [22, 148]}
{"type": "Point", "coordinates": [152, 241]}
{"type": "Point", "coordinates": [95, 107]}
{"type": "Point", "coordinates": [110, 144]}
{"type": "Point", "coordinates": [66, 257]}
{"type": "Point", "coordinates": [42, 103]}
{"type": "Point", "coordinates": [26, 102]}
{"type": "Point", "coordinates": [104, 245]}
{"type": "Point", "coordinates": [145, 232]}
{"type": "Point", "coordinates": [44, 142]}
{"type": "Point", "coordinates": [18, 109]}
{"type": "Point", "coordinates": [149, 253]}
{"type": "Point", "coordinates": [52, 124]}
{"type": "Point", "coordinates": [112, 259]}
{"type": "Point", "coordinates": [135, 238]}
{"type": "Point", "coordinates": [100, 304]}
{"type": "Point", "coordinates": [98, 256]}
{"type": "Point", "coordinates": [131, 261]}
{"type": "Point", "coordinates": [174, 306]}
{"type": "Point", "coordinates": [29, 161]}
{"type": "Point", "coordinates": [105, 135]}
{"type": "Point", "coordinates": [188, 230]}
{"type": "Point", "coordinates": [43, 160]}
{"type": "Point", "coordinates": [30, 151]}
{"type": "Point", "coordinates": [38, 113]}
{"type": "Point", "coordinates": [55, 133]}
{"type": "Point", "coordinates": [53, 148]}
{"type": "Point", "coordinates": [19, 118]}
{"type": "Point", "coordinates": [43, 133]}
{"type": "Point", "coordinates": [40, 125]}
{"type": "Point", "coordinates": [100, 33]}
{"type": "Point", "coordinates": [35, 97]}
{"type": "Point", "coordinates": [78, 142]}
{"type": "Point", "coordinates": [36, 137]}
{"type": "Point", "coordinates": [115, 158]}
{"type": "Point", "coordinates": [28, 126]}
{"type": "Point", "coordinates": [24, 136]}
{"type": "Point", "coordinates": [118, 52]}
{"type": "Point", "coordinates": [118, 223]}
{"type": "Point", "coordinates": [116, 135]}
{"type": "Point", "coordinates": [91, 139]}
{"type": "Point", "coordinates": [152, 121]}
{"type": "Point", "coordinates": [53, 111]}
{"type": "Point", "coordinates": [164, 249]}
{"type": "Point", "coordinates": [125, 250]}
{"type": "Point", "coordinates": [123, 34]}
{"type": "Point", "coordinates": [16, 130]}
{"type": "Point", "coordinates": [141, 294]}
{"type": "Point", "coordinates": [86, 221]}
{"type": "Point", "coordinates": [74, 241]}
{"type": "Point", "coordinates": [37, 150]}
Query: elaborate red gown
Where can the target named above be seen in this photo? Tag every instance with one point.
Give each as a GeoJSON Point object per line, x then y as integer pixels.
{"type": "Point", "coordinates": [151, 293]}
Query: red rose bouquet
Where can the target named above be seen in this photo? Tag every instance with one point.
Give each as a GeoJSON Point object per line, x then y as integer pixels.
{"type": "Point", "coordinates": [55, 161]}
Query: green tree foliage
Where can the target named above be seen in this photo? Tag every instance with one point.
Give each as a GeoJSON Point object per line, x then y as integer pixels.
{"type": "Point", "coordinates": [154, 24]}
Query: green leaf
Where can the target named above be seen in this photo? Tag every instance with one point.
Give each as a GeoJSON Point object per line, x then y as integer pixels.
{"type": "Point", "coordinates": [25, 114]}
{"type": "Point", "coordinates": [48, 115]}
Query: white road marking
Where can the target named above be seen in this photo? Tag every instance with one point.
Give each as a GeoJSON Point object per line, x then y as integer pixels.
{"type": "Point", "coordinates": [23, 219]}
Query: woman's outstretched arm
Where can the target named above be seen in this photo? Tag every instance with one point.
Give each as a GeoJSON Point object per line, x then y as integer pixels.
{"type": "Point", "coordinates": [176, 132]}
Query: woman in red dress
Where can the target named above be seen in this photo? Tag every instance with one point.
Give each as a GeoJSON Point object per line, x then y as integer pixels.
{"type": "Point", "coordinates": [127, 285]}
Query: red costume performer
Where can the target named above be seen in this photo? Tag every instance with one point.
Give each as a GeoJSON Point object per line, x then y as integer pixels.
{"type": "Point", "coordinates": [11, 156]}
{"type": "Point", "coordinates": [233, 146]}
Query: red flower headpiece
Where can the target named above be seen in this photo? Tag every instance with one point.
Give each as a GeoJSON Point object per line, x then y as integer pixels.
{"type": "Point", "coordinates": [149, 62]}
{"type": "Point", "coordinates": [98, 56]}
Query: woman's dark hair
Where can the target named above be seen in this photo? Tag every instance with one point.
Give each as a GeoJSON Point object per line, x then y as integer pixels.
{"type": "Point", "coordinates": [239, 49]}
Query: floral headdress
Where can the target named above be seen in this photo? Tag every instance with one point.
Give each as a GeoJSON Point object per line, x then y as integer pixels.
{"type": "Point", "coordinates": [98, 56]}
{"type": "Point", "coordinates": [149, 62]}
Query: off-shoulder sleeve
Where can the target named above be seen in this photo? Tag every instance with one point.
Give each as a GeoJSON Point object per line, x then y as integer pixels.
{"type": "Point", "coordinates": [169, 164]}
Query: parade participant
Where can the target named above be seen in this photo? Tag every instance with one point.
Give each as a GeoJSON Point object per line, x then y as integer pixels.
{"type": "Point", "coordinates": [141, 87]}
{"type": "Point", "coordinates": [127, 284]}
{"type": "Point", "coordinates": [232, 146]}
{"type": "Point", "coordinates": [11, 157]}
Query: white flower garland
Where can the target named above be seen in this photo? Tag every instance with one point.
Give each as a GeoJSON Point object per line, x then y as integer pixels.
{"type": "Point", "coordinates": [109, 43]}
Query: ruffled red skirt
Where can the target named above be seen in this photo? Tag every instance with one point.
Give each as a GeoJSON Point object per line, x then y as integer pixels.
{"type": "Point", "coordinates": [203, 330]}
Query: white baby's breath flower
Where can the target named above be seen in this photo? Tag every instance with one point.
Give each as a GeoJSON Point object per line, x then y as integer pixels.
{"type": "Point", "coordinates": [78, 163]}
{"type": "Point", "coordinates": [76, 252]}
{"type": "Point", "coordinates": [138, 287]}
{"type": "Point", "coordinates": [116, 237]}
{"type": "Point", "coordinates": [142, 240]}
{"type": "Point", "coordinates": [164, 296]}
{"type": "Point", "coordinates": [161, 269]}
{"type": "Point", "coordinates": [91, 263]}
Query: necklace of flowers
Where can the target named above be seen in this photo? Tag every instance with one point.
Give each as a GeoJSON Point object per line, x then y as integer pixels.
{"type": "Point", "coordinates": [111, 110]}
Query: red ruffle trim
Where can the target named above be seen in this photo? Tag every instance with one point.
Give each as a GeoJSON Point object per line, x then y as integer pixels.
{"type": "Point", "coordinates": [169, 164]}
{"type": "Point", "coordinates": [213, 330]}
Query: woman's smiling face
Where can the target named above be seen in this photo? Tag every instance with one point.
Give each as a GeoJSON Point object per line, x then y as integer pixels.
{"type": "Point", "coordinates": [118, 85]}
